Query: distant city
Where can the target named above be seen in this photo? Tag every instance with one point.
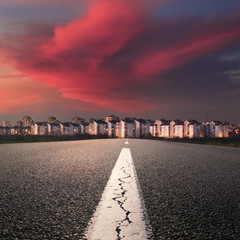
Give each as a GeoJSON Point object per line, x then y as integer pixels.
{"type": "Point", "coordinates": [113, 126]}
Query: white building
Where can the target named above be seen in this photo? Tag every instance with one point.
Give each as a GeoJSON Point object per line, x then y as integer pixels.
{"type": "Point", "coordinates": [138, 129]}
{"type": "Point", "coordinates": [7, 130]}
{"type": "Point", "coordinates": [157, 127]}
{"type": "Point", "coordinates": [225, 129]}
{"type": "Point", "coordinates": [6, 124]}
{"type": "Point", "coordinates": [86, 128]}
{"type": "Point", "coordinates": [176, 129]}
{"type": "Point", "coordinates": [27, 121]}
{"type": "Point", "coordinates": [102, 127]}
{"type": "Point", "coordinates": [191, 129]}
{"type": "Point", "coordinates": [77, 128]}
{"type": "Point", "coordinates": [113, 128]}
{"type": "Point", "coordinates": [127, 128]}
{"type": "Point", "coordinates": [54, 129]}
{"type": "Point", "coordinates": [151, 129]}
{"type": "Point", "coordinates": [142, 128]}
{"type": "Point", "coordinates": [205, 130]}
{"type": "Point", "coordinates": [15, 130]}
{"type": "Point", "coordinates": [66, 129]}
{"type": "Point", "coordinates": [165, 130]}
{"type": "Point", "coordinates": [92, 130]}
{"type": "Point", "coordinates": [78, 120]}
{"type": "Point", "coordinates": [98, 127]}
{"type": "Point", "coordinates": [111, 118]}
{"type": "Point", "coordinates": [39, 129]}
{"type": "Point", "coordinates": [214, 129]}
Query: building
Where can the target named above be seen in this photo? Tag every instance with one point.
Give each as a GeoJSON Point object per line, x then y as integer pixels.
{"type": "Point", "coordinates": [214, 129]}
{"type": "Point", "coordinates": [78, 120]}
{"type": "Point", "coordinates": [16, 130]}
{"type": "Point", "coordinates": [92, 128]}
{"type": "Point", "coordinates": [151, 129]}
{"type": "Point", "coordinates": [191, 129]}
{"type": "Point", "coordinates": [137, 128]}
{"type": "Point", "coordinates": [52, 119]}
{"type": "Point", "coordinates": [205, 130]}
{"type": "Point", "coordinates": [26, 130]}
{"type": "Point", "coordinates": [2, 130]}
{"type": "Point", "coordinates": [6, 130]}
{"type": "Point", "coordinates": [157, 127]}
{"type": "Point", "coordinates": [219, 129]}
{"type": "Point", "coordinates": [98, 127]}
{"type": "Point", "coordinates": [19, 123]}
{"type": "Point", "coordinates": [111, 118]}
{"type": "Point", "coordinates": [176, 129]}
{"type": "Point", "coordinates": [142, 128]}
{"type": "Point", "coordinates": [165, 130]}
{"type": "Point", "coordinates": [66, 129]}
{"type": "Point", "coordinates": [102, 127]}
{"type": "Point", "coordinates": [225, 129]}
{"type": "Point", "coordinates": [77, 128]}
{"type": "Point", "coordinates": [113, 128]}
{"type": "Point", "coordinates": [86, 128]}
{"type": "Point", "coordinates": [27, 121]}
{"type": "Point", "coordinates": [54, 129]}
{"type": "Point", "coordinates": [127, 128]}
{"type": "Point", "coordinates": [39, 128]}
{"type": "Point", "coordinates": [6, 124]}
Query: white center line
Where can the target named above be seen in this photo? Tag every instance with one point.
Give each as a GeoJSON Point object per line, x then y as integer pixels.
{"type": "Point", "coordinates": [121, 212]}
{"type": "Point", "coordinates": [126, 142]}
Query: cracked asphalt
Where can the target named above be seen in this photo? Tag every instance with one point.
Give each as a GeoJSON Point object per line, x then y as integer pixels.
{"type": "Point", "coordinates": [51, 190]}
{"type": "Point", "coordinates": [121, 200]}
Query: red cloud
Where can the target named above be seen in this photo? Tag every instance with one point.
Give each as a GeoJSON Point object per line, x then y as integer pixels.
{"type": "Point", "coordinates": [193, 47]}
{"type": "Point", "coordinates": [103, 31]}
{"type": "Point", "coordinates": [22, 95]}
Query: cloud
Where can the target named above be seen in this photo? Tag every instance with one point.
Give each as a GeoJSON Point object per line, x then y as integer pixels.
{"type": "Point", "coordinates": [20, 94]}
{"type": "Point", "coordinates": [203, 38]}
{"type": "Point", "coordinates": [118, 55]}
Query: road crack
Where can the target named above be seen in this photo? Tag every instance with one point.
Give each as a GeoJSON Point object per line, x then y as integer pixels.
{"type": "Point", "coordinates": [121, 199]}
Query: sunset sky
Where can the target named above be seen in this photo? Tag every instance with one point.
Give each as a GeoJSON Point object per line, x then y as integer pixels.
{"type": "Point", "coordinates": [145, 58]}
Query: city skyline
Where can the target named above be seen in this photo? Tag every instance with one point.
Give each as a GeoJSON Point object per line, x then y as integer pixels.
{"type": "Point", "coordinates": [113, 126]}
{"type": "Point", "coordinates": [171, 59]}
{"type": "Point", "coordinates": [16, 121]}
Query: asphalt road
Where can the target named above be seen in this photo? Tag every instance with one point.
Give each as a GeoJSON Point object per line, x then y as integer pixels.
{"type": "Point", "coordinates": [50, 190]}
{"type": "Point", "coordinates": [190, 191]}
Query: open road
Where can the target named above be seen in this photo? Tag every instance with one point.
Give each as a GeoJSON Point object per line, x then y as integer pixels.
{"type": "Point", "coordinates": [119, 189]}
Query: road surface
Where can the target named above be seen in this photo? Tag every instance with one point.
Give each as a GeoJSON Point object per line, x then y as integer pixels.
{"type": "Point", "coordinates": [58, 190]}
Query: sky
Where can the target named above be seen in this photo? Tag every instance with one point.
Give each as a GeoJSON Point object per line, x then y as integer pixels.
{"type": "Point", "coordinates": [172, 59]}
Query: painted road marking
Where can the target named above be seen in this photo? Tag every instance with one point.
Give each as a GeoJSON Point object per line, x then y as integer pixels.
{"type": "Point", "coordinates": [126, 142]}
{"type": "Point", "coordinates": [121, 213]}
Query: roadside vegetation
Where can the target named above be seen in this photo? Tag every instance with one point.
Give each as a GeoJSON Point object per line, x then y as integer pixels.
{"type": "Point", "coordinates": [231, 142]}
{"type": "Point", "coordinates": [45, 138]}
